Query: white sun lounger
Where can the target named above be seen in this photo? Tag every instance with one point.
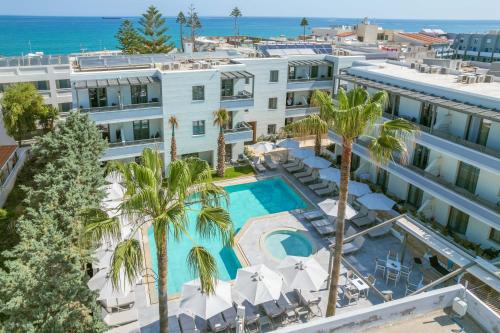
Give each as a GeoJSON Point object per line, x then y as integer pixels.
{"type": "Point", "coordinates": [353, 246]}
{"type": "Point", "coordinates": [365, 220]}
{"type": "Point", "coordinates": [319, 185]}
{"type": "Point", "coordinates": [313, 215]}
{"type": "Point", "coordinates": [121, 318]}
{"type": "Point", "coordinates": [325, 229]}
{"type": "Point", "coordinates": [268, 161]}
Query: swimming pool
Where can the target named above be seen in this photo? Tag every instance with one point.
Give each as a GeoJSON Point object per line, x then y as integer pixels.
{"type": "Point", "coordinates": [246, 201]}
{"type": "Point", "coordinates": [282, 243]}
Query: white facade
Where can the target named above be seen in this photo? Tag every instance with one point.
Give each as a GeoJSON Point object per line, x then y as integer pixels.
{"type": "Point", "coordinates": [452, 176]}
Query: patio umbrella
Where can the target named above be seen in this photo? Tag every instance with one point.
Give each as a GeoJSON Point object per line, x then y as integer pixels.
{"type": "Point", "coordinates": [330, 174]}
{"type": "Point", "coordinates": [114, 192]}
{"type": "Point", "coordinates": [263, 147]}
{"type": "Point", "coordinates": [289, 144]}
{"type": "Point", "coordinates": [103, 256]}
{"type": "Point", "coordinates": [316, 162]}
{"type": "Point", "coordinates": [258, 284]}
{"type": "Point", "coordinates": [114, 177]}
{"type": "Point", "coordinates": [302, 153]}
{"type": "Point", "coordinates": [376, 201]}
{"type": "Point", "coordinates": [358, 189]}
{"type": "Point", "coordinates": [102, 282]}
{"type": "Point", "coordinates": [303, 273]}
{"type": "Point", "coordinates": [330, 207]}
{"type": "Point", "coordinates": [205, 305]}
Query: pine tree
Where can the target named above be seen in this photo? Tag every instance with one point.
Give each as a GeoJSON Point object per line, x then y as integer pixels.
{"type": "Point", "coordinates": [181, 20]}
{"type": "Point", "coordinates": [153, 30]}
{"type": "Point", "coordinates": [129, 38]}
{"type": "Point", "coordinates": [194, 23]}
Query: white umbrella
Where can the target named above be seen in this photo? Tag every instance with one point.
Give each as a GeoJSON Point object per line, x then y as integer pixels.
{"type": "Point", "coordinates": [303, 273]}
{"type": "Point", "coordinates": [263, 147]}
{"type": "Point", "coordinates": [205, 305]}
{"type": "Point", "coordinates": [289, 144]}
{"type": "Point", "coordinates": [114, 177]}
{"type": "Point", "coordinates": [316, 162]}
{"type": "Point", "coordinates": [330, 207]}
{"type": "Point", "coordinates": [376, 201]}
{"type": "Point", "coordinates": [102, 282]}
{"type": "Point", "coordinates": [302, 153]}
{"type": "Point", "coordinates": [114, 192]}
{"type": "Point", "coordinates": [258, 284]}
{"type": "Point", "coordinates": [330, 174]}
{"type": "Point", "coordinates": [358, 189]}
{"type": "Point", "coordinates": [103, 256]}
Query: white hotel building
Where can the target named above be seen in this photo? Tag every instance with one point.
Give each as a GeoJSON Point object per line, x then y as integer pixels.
{"type": "Point", "coordinates": [453, 174]}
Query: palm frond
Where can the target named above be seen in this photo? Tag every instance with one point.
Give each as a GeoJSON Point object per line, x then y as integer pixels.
{"type": "Point", "coordinates": [221, 117]}
{"type": "Point", "coordinates": [213, 221]}
{"type": "Point", "coordinates": [383, 147]}
{"type": "Point", "coordinates": [98, 226]}
{"type": "Point", "coordinates": [178, 179]}
{"type": "Point", "coordinates": [311, 125]}
{"type": "Point", "coordinates": [202, 263]}
{"type": "Point", "coordinates": [128, 257]}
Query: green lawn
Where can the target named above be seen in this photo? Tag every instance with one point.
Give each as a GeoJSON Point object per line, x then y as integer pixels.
{"type": "Point", "coordinates": [235, 172]}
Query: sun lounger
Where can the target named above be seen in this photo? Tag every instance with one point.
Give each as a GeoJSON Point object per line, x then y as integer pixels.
{"type": "Point", "coordinates": [365, 220]}
{"type": "Point", "coordinates": [310, 301]}
{"type": "Point", "coordinates": [119, 303]}
{"type": "Point", "coordinates": [268, 161]}
{"type": "Point", "coordinates": [297, 168]}
{"type": "Point", "coordinates": [313, 215]}
{"type": "Point", "coordinates": [121, 318]}
{"type": "Point", "coordinates": [319, 185]}
{"type": "Point", "coordinates": [257, 165]}
{"type": "Point", "coordinates": [348, 233]}
{"type": "Point", "coordinates": [325, 229]}
{"type": "Point", "coordinates": [380, 231]}
{"type": "Point", "coordinates": [230, 315]}
{"type": "Point", "coordinates": [288, 308]}
{"type": "Point", "coordinates": [311, 178]}
{"type": "Point", "coordinates": [306, 173]}
{"type": "Point", "coordinates": [173, 325]}
{"type": "Point", "coordinates": [291, 164]}
{"type": "Point", "coordinates": [251, 313]}
{"type": "Point", "coordinates": [320, 223]}
{"type": "Point", "coordinates": [325, 191]}
{"type": "Point", "coordinates": [187, 324]}
{"type": "Point", "coordinates": [272, 310]}
{"type": "Point", "coordinates": [217, 323]}
{"type": "Point", "coordinates": [353, 246]}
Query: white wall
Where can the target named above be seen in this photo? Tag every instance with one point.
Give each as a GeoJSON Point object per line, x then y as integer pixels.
{"type": "Point", "coordinates": [409, 108]}
{"type": "Point", "coordinates": [494, 136]}
{"type": "Point", "coordinates": [488, 186]}
{"type": "Point", "coordinates": [397, 187]}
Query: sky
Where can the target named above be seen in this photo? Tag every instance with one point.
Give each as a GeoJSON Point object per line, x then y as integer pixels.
{"type": "Point", "coordinates": [402, 9]}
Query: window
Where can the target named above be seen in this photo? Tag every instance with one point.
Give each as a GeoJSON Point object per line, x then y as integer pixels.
{"type": "Point", "coordinates": [271, 129]}
{"type": "Point", "coordinates": [273, 103]}
{"type": "Point", "coordinates": [227, 88]}
{"type": "Point", "coordinates": [383, 179]}
{"type": "Point", "coordinates": [139, 94]}
{"type": "Point", "coordinates": [397, 101]}
{"type": "Point", "coordinates": [467, 177]}
{"type": "Point", "coordinates": [141, 129]}
{"type": "Point", "coordinates": [420, 156]}
{"type": "Point", "coordinates": [198, 93]}
{"type": "Point", "coordinates": [330, 72]}
{"type": "Point", "coordinates": [495, 235]}
{"type": "Point", "coordinates": [63, 84]}
{"type": "Point", "coordinates": [457, 221]}
{"type": "Point", "coordinates": [98, 97]}
{"type": "Point", "coordinates": [355, 162]}
{"type": "Point", "coordinates": [291, 72]}
{"type": "Point", "coordinates": [41, 85]}
{"type": "Point", "coordinates": [199, 127]}
{"type": "Point", "coordinates": [426, 114]}
{"type": "Point", "coordinates": [273, 76]}
{"type": "Point", "coordinates": [484, 131]}
{"type": "Point", "coordinates": [65, 107]}
{"type": "Point", "coordinates": [314, 72]}
{"type": "Point", "coordinates": [415, 196]}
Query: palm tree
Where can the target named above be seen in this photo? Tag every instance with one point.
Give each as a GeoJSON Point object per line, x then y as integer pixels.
{"type": "Point", "coordinates": [181, 20]}
{"type": "Point", "coordinates": [163, 202]}
{"type": "Point", "coordinates": [236, 14]}
{"type": "Point", "coordinates": [311, 125]}
{"type": "Point", "coordinates": [172, 121]}
{"type": "Point", "coordinates": [357, 113]}
{"type": "Point", "coordinates": [221, 118]}
{"type": "Point", "coordinates": [304, 23]}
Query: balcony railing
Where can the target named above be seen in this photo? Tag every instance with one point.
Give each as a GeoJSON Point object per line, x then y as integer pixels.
{"type": "Point", "coordinates": [305, 79]}
{"type": "Point", "coordinates": [122, 107]}
{"type": "Point", "coordinates": [452, 138]}
{"type": "Point", "coordinates": [240, 127]}
{"type": "Point", "coordinates": [134, 142]}
{"type": "Point", "coordinates": [241, 95]}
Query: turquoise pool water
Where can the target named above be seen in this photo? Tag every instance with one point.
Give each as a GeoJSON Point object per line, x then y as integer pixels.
{"type": "Point", "coordinates": [282, 243]}
{"type": "Point", "coordinates": [246, 201]}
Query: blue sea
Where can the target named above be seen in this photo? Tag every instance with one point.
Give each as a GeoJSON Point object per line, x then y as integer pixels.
{"type": "Point", "coordinates": [63, 35]}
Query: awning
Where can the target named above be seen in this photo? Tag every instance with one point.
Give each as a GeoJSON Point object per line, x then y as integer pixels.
{"type": "Point", "coordinates": [129, 81]}
{"type": "Point", "coordinates": [236, 75]}
{"type": "Point", "coordinates": [439, 101]}
{"type": "Point", "coordinates": [309, 63]}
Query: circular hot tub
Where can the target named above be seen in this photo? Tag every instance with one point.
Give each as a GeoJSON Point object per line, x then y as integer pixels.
{"type": "Point", "coordinates": [282, 243]}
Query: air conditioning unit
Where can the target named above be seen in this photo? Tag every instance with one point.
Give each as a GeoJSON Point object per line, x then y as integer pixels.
{"type": "Point", "coordinates": [459, 307]}
{"type": "Point", "coordinates": [434, 69]}
{"type": "Point", "coordinates": [205, 65]}
{"type": "Point", "coordinates": [176, 66]}
{"type": "Point", "coordinates": [489, 79]}
{"type": "Point", "coordinates": [480, 78]}
{"type": "Point", "coordinates": [196, 65]}
{"type": "Point", "coordinates": [470, 79]}
{"type": "Point", "coordinates": [444, 70]}
{"type": "Point", "coordinates": [166, 67]}
{"type": "Point", "coordinates": [413, 65]}
{"type": "Point", "coordinates": [462, 78]}
{"type": "Point", "coordinates": [424, 69]}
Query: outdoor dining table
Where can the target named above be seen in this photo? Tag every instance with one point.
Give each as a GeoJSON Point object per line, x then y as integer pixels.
{"type": "Point", "coordinates": [360, 285]}
{"type": "Point", "coordinates": [393, 264]}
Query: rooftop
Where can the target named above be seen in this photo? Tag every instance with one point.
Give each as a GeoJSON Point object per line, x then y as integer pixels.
{"type": "Point", "coordinates": [5, 153]}
{"type": "Point", "coordinates": [429, 40]}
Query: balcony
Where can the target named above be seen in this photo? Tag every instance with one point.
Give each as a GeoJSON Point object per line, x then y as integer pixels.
{"type": "Point", "coordinates": [128, 149]}
{"type": "Point", "coordinates": [309, 84]}
{"type": "Point", "coordinates": [242, 132]}
{"type": "Point", "coordinates": [300, 110]}
{"type": "Point", "coordinates": [243, 99]}
{"type": "Point", "coordinates": [124, 113]}
{"type": "Point", "coordinates": [237, 88]}
{"type": "Point", "coordinates": [468, 203]}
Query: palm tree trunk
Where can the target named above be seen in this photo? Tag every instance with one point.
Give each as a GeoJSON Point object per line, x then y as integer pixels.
{"type": "Point", "coordinates": [345, 168]}
{"type": "Point", "coordinates": [182, 44]}
{"type": "Point", "coordinates": [162, 282]}
{"type": "Point", "coordinates": [304, 36]}
{"type": "Point", "coordinates": [221, 152]}
{"type": "Point", "coordinates": [317, 145]}
{"type": "Point", "coordinates": [173, 149]}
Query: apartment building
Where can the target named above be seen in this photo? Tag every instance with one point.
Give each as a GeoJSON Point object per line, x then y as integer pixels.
{"type": "Point", "coordinates": [132, 98]}
{"type": "Point", "coordinates": [452, 176]}
{"type": "Point", "coordinates": [478, 47]}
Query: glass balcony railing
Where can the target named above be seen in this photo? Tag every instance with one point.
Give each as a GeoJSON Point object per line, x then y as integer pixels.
{"type": "Point", "coordinates": [122, 107]}
{"type": "Point", "coordinates": [240, 127]}
{"type": "Point", "coordinates": [307, 78]}
{"type": "Point", "coordinates": [240, 95]}
{"type": "Point", "coordinates": [134, 142]}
